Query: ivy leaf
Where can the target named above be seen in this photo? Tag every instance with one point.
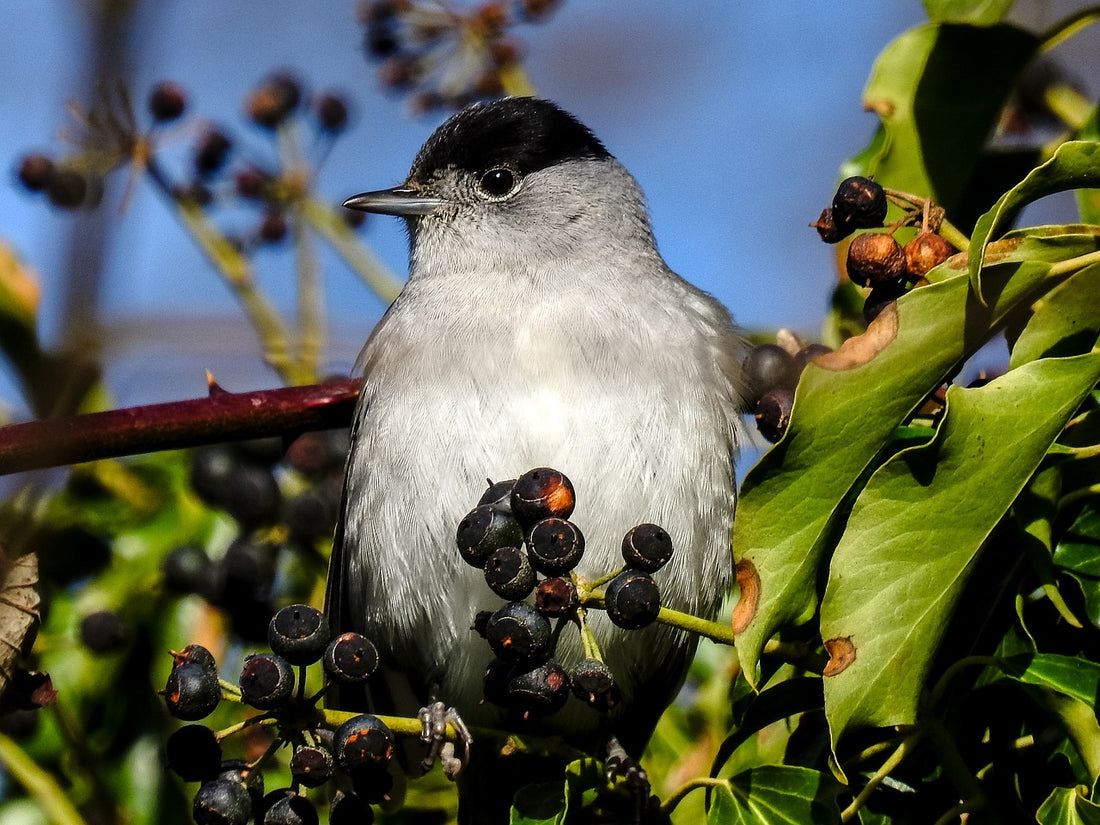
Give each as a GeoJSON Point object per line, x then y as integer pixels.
{"type": "Point", "coordinates": [1073, 676]}
{"type": "Point", "coordinates": [917, 528]}
{"type": "Point", "coordinates": [1078, 554]}
{"type": "Point", "coordinates": [1065, 322]}
{"type": "Point", "coordinates": [939, 89]}
{"type": "Point", "coordinates": [775, 795]}
{"type": "Point", "coordinates": [1088, 200]}
{"type": "Point", "coordinates": [1074, 165]}
{"type": "Point", "coordinates": [798, 491]}
{"type": "Point", "coordinates": [1068, 806]}
{"type": "Point", "coordinates": [978, 12]}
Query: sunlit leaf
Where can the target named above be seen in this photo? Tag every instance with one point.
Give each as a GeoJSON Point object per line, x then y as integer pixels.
{"type": "Point", "coordinates": [774, 795]}
{"type": "Point", "coordinates": [1074, 165]}
{"type": "Point", "coordinates": [842, 420]}
{"type": "Point", "coordinates": [1078, 554]}
{"type": "Point", "coordinates": [1073, 676]}
{"type": "Point", "coordinates": [978, 12]}
{"type": "Point", "coordinates": [1065, 322]}
{"type": "Point", "coordinates": [916, 529]}
{"type": "Point", "coordinates": [1068, 806]}
{"type": "Point", "coordinates": [1088, 199]}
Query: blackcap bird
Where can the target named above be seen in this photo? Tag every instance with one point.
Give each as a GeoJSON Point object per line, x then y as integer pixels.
{"type": "Point", "coordinates": [539, 327]}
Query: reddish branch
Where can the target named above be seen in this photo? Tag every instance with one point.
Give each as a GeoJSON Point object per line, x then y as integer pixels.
{"type": "Point", "coordinates": [223, 416]}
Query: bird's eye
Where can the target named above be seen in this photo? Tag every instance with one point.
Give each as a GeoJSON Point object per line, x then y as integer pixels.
{"type": "Point", "coordinates": [497, 183]}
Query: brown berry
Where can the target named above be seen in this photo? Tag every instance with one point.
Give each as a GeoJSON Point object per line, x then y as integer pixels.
{"type": "Point", "coordinates": [35, 171]}
{"type": "Point", "coordinates": [167, 101]}
{"type": "Point", "coordinates": [875, 258]}
{"type": "Point", "coordinates": [924, 252]}
{"type": "Point", "coordinates": [829, 229]}
{"type": "Point", "coordinates": [274, 100]}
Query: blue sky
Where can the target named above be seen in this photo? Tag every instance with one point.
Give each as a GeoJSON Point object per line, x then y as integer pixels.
{"type": "Point", "coordinates": [733, 116]}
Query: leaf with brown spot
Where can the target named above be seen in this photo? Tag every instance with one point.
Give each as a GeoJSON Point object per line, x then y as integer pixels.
{"type": "Point", "coordinates": [860, 349]}
{"type": "Point", "coordinates": [748, 582]}
{"type": "Point", "coordinates": [841, 654]}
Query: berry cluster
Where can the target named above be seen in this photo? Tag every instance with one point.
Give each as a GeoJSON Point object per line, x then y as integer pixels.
{"type": "Point", "coordinates": [284, 506]}
{"type": "Point", "coordinates": [876, 259]}
{"type": "Point", "coordinates": [232, 791]}
{"type": "Point", "coordinates": [770, 373]}
{"type": "Point", "coordinates": [112, 139]}
{"type": "Point", "coordinates": [521, 529]}
{"type": "Point", "coordinates": [449, 56]}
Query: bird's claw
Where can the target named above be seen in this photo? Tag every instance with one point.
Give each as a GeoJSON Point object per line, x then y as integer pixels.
{"type": "Point", "coordinates": [619, 764]}
{"type": "Point", "coordinates": [434, 720]}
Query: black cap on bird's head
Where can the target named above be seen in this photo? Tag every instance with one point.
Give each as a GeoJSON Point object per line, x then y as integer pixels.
{"type": "Point", "coordinates": [525, 134]}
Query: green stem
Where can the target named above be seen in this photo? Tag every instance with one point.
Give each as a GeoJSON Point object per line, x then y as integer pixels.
{"type": "Point", "coordinates": [1078, 494]}
{"type": "Point", "coordinates": [39, 784]}
{"type": "Point", "coordinates": [896, 758]}
{"type": "Point", "coordinates": [589, 644]}
{"type": "Point", "coordinates": [950, 233]}
{"type": "Point", "coordinates": [966, 784]}
{"type": "Point", "coordinates": [678, 795]}
{"type": "Point", "coordinates": [721, 633]}
{"type": "Point", "coordinates": [327, 223]}
{"type": "Point", "coordinates": [1069, 26]}
{"type": "Point", "coordinates": [1071, 265]}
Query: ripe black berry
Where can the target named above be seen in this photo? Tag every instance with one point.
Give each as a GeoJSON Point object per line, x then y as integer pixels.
{"type": "Point", "coordinates": [555, 596]}
{"type": "Point", "coordinates": [247, 568]}
{"type": "Point", "coordinates": [860, 202]}
{"type": "Point", "coordinates": [291, 809]}
{"type": "Point", "coordinates": [509, 573]}
{"type": "Point", "coordinates": [349, 809]}
{"type": "Point", "coordinates": [517, 631]}
{"type": "Point", "coordinates": [594, 684]}
{"type": "Point", "coordinates": [67, 188]}
{"type": "Point", "coordinates": [766, 367]}
{"type": "Point", "coordinates": [187, 569]}
{"type": "Point", "coordinates": [222, 802]}
{"type": "Point", "coordinates": [273, 226]}
{"type": "Point", "coordinates": [773, 413]}
{"type": "Point", "coordinates": [647, 547]}
{"type": "Point", "coordinates": [541, 493]}
{"type": "Point", "coordinates": [167, 101]}
{"type": "Point", "coordinates": [332, 112]}
{"type": "Point", "coordinates": [103, 631]}
{"type": "Point", "coordinates": [484, 529]}
{"type": "Point", "coordinates": [211, 150]}
{"type": "Point", "coordinates": [875, 258]}
{"type": "Point", "coordinates": [539, 690]}
{"type": "Point", "coordinates": [193, 753]}
{"type": "Point", "coordinates": [362, 742]}
{"type": "Point", "coordinates": [632, 600]}
{"type": "Point", "coordinates": [274, 100]}
{"type": "Point", "coordinates": [192, 691]}
{"type": "Point", "coordinates": [555, 546]}
{"type": "Point", "coordinates": [312, 766]}
{"type": "Point", "coordinates": [311, 514]}
{"type": "Point", "coordinates": [350, 658]}
{"type": "Point", "coordinates": [196, 654]}
{"type": "Point", "coordinates": [267, 681]}
{"type": "Point", "coordinates": [299, 633]}
{"type": "Point", "coordinates": [35, 171]}
{"type": "Point", "coordinates": [499, 493]}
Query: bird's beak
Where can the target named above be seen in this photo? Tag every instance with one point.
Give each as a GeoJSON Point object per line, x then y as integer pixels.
{"type": "Point", "coordinates": [401, 200]}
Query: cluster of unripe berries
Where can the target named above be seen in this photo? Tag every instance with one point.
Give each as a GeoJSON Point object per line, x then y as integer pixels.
{"type": "Point", "coordinates": [232, 791]}
{"type": "Point", "coordinates": [876, 259]}
{"type": "Point", "coordinates": [76, 181]}
{"type": "Point", "coordinates": [519, 531]}
{"type": "Point", "coordinates": [284, 503]}
{"type": "Point", "coordinates": [444, 55]}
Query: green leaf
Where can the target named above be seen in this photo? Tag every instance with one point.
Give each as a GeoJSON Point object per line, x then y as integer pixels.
{"type": "Point", "coordinates": [1078, 554]}
{"type": "Point", "coordinates": [1073, 676]}
{"type": "Point", "coordinates": [541, 804]}
{"type": "Point", "coordinates": [1068, 806]}
{"type": "Point", "coordinates": [978, 12]}
{"type": "Point", "coordinates": [1088, 200]}
{"type": "Point", "coordinates": [939, 90]}
{"type": "Point", "coordinates": [1065, 322]}
{"type": "Point", "coordinates": [916, 529]}
{"type": "Point", "coordinates": [775, 795]}
{"type": "Point", "coordinates": [797, 491]}
{"type": "Point", "coordinates": [1074, 165]}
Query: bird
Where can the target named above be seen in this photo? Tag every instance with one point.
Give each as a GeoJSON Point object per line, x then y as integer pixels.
{"type": "Point", "coordinates": [539, 327]}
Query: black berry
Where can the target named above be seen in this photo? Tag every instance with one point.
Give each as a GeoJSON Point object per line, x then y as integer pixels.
{"type": "Point", "coordinates": [555, 545]}
{"type": "Point", "coordinates": [766, 367]}
{"type": "Point", "coordinates": [311, 765]}
{"type": "Point", "coordinates": [485, 529]}
{"type": "Point", "coordinates": [35, 171]}
{"type": "Point", "coordinates": [349, 809]}
{"type": "Point", "coordinates": [541, 493]}
{"type": "Point", "coordinates": [773, 413]}
{"type": "Point", "coordinates": [187, 569]}
{"type": "Point", "coordinates": [332, 112]}
{"type": "Point", "coordinates": [299, 633]}
{"type": "Point", "coordinates": [192, 691]}
{"type": "Point", "coordinates": [594, 684]}
{"type": "Point", "coordinates": [274, 100]}
{"type": "Point", "coordinates": [499, 493]}
{"type": "Point", "coordinates": [555, 596]}
{"type": "Point", "coordinates": [291, 809]}
{"type": "Point", "coordinates": [539, 690]}
{"type": "Point", "coordinates": [351, 658]}
{"type": "Point", "coordinates": [167, 101]}
{"type": "Point", "coordinates": [67, 188]}
{"type": "Point", "coordinates": [222, 802]}
{"type": "Point", "coordinates": [860, 202]}
{"type": "Point", "coordinates": [211, 150]}
{"type": "Point", "coordinates": [830, 229]}
{"type": "Point", "coordinates": [103, 632]}
{"type": "Point", "coordinates": [267, 681]}
{"type": "Point", "coordinates": [632, 600]}
{"type": "Point", "coordinates": [517, 632]}
{"type": "Point", "coordinates": [362, 742]}
{"type": "Point", "coordinates": [509, 573]}
{"type": "Point", "coordinates": [193, 753]}
{"type": "Point", "coordinates": [647, 547]}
